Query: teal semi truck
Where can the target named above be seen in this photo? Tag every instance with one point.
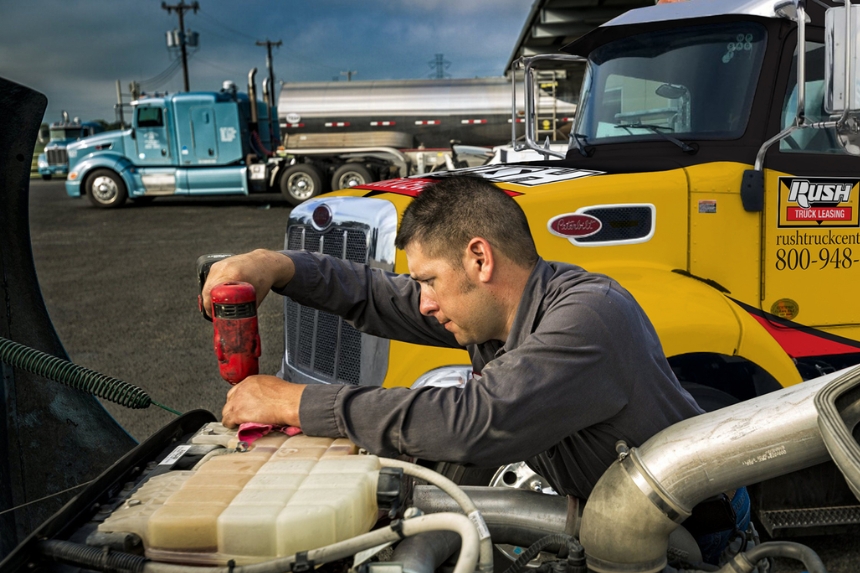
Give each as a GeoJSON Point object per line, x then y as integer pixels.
{"type": "Point", "coordinates": [54, 161]}
{"type": "Point", "coordinates": [198, 143]}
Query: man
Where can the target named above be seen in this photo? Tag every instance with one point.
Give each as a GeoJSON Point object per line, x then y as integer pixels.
{"type": "Point", "coordinates": [566, 362]}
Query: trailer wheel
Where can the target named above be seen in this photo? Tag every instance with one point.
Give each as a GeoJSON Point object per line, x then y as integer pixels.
{"type": "Point", "coordinates": [105, 189]}
{"type": "Point", "coordinates": [301, 182]}
{"type": "Point", "coordinates": [349, 175]}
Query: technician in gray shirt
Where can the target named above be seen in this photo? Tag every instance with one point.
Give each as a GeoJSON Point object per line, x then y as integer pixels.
{"type": "Point", "coordinates": [566, 363]}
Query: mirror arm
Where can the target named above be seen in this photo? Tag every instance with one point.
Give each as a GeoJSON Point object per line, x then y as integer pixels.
{"type": "Point", "coordinates": [846, 104]}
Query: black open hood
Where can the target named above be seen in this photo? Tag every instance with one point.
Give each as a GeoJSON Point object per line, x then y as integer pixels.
{"type": "Point", "coordinates": [53, 438]}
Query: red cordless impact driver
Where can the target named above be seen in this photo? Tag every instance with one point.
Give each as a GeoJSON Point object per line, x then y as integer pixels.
{"type": "Point", "coordinates": [234, 316]}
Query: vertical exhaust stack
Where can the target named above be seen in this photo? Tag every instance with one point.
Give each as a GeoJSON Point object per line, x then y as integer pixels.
{"type": "Point", "coordinates": [645, 495]}
{"type": "Point", "coordinates": [252, 97]}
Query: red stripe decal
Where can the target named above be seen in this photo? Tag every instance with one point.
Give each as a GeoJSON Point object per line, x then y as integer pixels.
{"type": "Point", "coordinates": [799, 343]}
{"type": "Point", "coordinates": [410, 186]}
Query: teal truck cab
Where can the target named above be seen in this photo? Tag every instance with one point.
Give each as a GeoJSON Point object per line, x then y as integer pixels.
{"type": "Point", "coordinates": [54, 161]}
{"type": "Point", "coordinates": [199, 143]}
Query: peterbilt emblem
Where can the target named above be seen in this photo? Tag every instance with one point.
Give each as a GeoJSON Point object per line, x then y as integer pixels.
{"type": "Point", "coordinates": [574, 225]}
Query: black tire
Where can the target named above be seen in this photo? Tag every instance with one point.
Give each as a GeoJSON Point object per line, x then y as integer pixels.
{"type": "Point", "coordinates": [105, 189]}
{"type": "Point", "coordinates": [351, 174]}
{"type": "Point", "coordinates": [301, 182]}
{"type": "Point", "coordinates": [709, 399]}
{"type": "Point", "coordinates": [46, 177]}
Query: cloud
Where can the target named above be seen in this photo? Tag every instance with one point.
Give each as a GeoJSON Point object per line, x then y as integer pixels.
{"type": "Point", "coordinates": [75, 50]}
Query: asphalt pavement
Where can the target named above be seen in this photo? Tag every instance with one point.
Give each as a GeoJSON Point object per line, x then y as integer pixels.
{"type": "Point", "coordinates": [121, 289]}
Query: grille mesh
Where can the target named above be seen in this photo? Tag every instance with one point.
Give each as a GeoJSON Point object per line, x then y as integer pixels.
{"type": "Point", "coordinates": [320, 344]}
{"type": "Point", "coordinates": [619, 224]}
{"type": "Point", "coordinates": [57, 157]}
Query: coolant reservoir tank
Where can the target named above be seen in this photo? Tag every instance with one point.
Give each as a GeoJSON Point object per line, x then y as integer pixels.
{"type": "Point", "coordinates": [283, 496]}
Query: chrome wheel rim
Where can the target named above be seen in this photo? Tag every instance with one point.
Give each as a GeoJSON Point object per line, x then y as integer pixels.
{"type": "Point", "coordinates": [350, 179]}
{"type": "Point", "coordinates": [104, 189]}
{"type": "Point", "coordinates": [301, 185]}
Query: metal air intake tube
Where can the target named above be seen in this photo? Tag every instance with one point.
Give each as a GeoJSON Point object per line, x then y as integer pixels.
{"type": "Point", "coordinates": [643, 497]}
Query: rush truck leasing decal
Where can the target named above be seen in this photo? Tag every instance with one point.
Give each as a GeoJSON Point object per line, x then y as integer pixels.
{"type": "Point", "coordinates": [818, 202]}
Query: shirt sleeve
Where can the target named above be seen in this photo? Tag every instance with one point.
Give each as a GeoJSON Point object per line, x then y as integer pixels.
{"type": "Point", "coordinates": [563, 377]}
{"type": "Point", "coordinates": [371, 300]}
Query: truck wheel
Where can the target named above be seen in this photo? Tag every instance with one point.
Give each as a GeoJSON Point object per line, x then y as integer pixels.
{"type": "Point", "coordinates": [105, 189]}
{"type": "Point", "coordinates": [46, 177]}
{"type": "Point", "coordinates": [350, 175]}
{"type": "Point", "coordinates": [301, 182]}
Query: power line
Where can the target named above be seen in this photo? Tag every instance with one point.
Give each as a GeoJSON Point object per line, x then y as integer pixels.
{"type": "Point", "coordinates": [225, 26]}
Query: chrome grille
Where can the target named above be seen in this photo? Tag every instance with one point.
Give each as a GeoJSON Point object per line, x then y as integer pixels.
{"type": "Point", "coordinates": [57, 157]}
{"type": "Point", "coordinates": [318, 343]}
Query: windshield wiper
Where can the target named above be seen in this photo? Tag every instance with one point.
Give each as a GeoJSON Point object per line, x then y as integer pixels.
{"type": "Point", "coordinates": [579, 142]}
{"type": "Point", "coordinates": [685, 147]}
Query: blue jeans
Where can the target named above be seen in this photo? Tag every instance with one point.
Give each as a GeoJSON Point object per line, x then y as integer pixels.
{"type": "Point", "coordinates": [713, 544]}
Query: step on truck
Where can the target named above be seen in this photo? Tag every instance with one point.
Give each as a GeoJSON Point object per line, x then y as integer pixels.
{"type": "Point", "coordinates": [703, 176]}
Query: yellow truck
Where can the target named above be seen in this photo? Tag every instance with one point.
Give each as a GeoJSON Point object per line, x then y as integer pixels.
{"type": "Point", "coordinates": [701, 176]}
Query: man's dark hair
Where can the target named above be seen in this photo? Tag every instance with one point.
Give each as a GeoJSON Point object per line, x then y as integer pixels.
{"type": "Point", "coordinates": [447, 215]}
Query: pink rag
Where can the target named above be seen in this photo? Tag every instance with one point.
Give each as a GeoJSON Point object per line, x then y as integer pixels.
{"type": "Point", "coordinates": [250, 432]}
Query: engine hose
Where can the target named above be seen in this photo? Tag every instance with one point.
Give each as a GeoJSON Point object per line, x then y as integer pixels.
{"type": "Point", "coordinates": [91, 557]}
{"type": "Point", "coordinates": [74, 376]}
{"type": "Point", "coordinates": [262, 147]}
{"type": "Point", "coordinates": [746, 562]}
{"type": "Point", "coordinates": [575, 553]}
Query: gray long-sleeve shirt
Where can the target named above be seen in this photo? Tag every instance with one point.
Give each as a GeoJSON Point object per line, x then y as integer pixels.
{"type": "Point", "coordinates": [582, 368]}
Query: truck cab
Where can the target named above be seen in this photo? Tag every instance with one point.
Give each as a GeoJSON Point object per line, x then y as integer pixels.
{"type": "Point", "coordinates": [199, 143]}
{"type": "Point", "coordinates": [54, 160]}
{"type": "Point", "coordinates": [695, 179]}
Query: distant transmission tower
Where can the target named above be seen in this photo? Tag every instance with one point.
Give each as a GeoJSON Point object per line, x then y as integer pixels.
{"type": "Point", "coordinates": [439, 64]}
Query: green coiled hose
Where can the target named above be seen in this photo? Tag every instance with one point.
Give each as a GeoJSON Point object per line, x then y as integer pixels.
{"type": "Point", "coordinates": [74, 376]}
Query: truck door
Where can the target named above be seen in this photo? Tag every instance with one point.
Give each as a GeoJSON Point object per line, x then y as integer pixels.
{"type": "Point", "coordinates": [203, 134]}
{"type": "Point", "coordinates": [152, 136]}
{"type": "Point", "coordinates": [811, 262]}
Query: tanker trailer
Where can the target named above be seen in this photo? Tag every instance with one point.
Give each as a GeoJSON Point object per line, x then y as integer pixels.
{"type": "Point", "coordinates": [352, 133]}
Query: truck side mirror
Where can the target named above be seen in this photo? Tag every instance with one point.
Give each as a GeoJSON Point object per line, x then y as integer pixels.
{"type": "Point", "coordinates": [837, 45]}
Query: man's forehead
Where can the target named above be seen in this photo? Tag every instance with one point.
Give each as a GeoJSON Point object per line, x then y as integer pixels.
{"type": "Point", "coordinates": [420, 261]}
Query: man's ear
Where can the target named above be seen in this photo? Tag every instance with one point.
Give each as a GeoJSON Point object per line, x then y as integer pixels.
{"type": "Point", "coordinates": [480, 259]}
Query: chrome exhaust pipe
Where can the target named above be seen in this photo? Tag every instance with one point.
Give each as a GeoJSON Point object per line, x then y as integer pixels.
{"type": "Point", "coordinates": [644, 495]}
{"type": "Point", "coordinates": [252, 94]}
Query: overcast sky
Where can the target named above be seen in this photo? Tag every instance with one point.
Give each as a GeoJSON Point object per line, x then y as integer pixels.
{"type": "Point", "coordinates": [73, 51]}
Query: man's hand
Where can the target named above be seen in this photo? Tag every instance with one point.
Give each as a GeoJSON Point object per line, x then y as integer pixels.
{"type": "Point", "coordinates": [261, 268]}
{"type": "Point", "coordinates": [265, 400]}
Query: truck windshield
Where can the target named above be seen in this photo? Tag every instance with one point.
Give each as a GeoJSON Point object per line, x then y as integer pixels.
{"type": "Point", "coordinates": [66, 133]}
{"type": "Point", "coordinates": [697, 82]}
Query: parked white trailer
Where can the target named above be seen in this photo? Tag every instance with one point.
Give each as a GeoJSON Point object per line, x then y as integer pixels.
{"type": "Point", "coordinates": [351, 133]}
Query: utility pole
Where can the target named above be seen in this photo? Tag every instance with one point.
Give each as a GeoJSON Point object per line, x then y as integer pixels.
{"type": "Point", "coordinates": [180, 9]}
{"type": "Point", "coordinates": [268, 46]}
{"type": "Point", "coordinates": [349, 74]}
